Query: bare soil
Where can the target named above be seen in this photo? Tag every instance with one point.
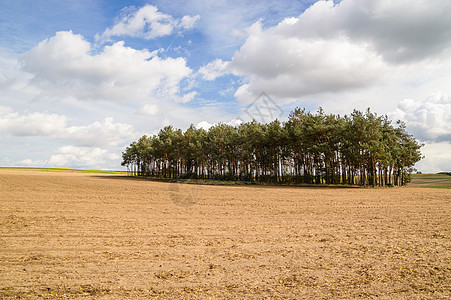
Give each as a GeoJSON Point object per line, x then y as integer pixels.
{"type": "Point", "coordinates": [431, 180]}
{"type": "Point", "coordinates": [95, 236]}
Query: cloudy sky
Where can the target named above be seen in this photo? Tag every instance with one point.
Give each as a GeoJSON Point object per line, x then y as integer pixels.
{"type": "Point", "coordinates": [81, 79]}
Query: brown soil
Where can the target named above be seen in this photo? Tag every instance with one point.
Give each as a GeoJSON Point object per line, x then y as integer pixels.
{"type": "Point", "coordinates": [90, 236]}
{"type": "Point", "coordinates": [425, 182]}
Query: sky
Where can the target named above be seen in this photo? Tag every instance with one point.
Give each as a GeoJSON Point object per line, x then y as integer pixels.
{"type": "Point", "coordinates": [82, 79]}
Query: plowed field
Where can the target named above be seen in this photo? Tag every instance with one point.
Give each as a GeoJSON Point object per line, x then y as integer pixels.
{"type": "Point", "coordinates": [96, 236]}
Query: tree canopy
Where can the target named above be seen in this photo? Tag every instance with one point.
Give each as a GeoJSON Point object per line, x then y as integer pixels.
{"type": "Point", "coordinates": [315, 148]}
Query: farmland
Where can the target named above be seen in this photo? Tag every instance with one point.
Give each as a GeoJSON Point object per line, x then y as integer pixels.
{"type": "Point", "coordinates": [431, 181]}
{"type": "Point", "coordinates": [109, 236]}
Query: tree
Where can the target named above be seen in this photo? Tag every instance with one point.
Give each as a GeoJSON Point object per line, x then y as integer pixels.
{"type": "Point", "coordinates": [314, 148]}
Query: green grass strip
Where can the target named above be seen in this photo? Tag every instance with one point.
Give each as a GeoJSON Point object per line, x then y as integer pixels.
{"type": "Point", "coordinates": [437, 187]}
{"type": "Point", "coordinates": [431, 177]}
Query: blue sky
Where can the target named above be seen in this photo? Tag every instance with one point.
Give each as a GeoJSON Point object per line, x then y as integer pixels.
{"type": "Point", "coordinates": [80, 80]}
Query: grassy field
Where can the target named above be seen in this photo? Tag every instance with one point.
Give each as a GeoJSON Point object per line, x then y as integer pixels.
{"type": "Point", "coordinates": [430, 176]}
{"type": "Point", "coordinates": [66, 235]}
{"type": "Point", "coordinates": [441, 181]}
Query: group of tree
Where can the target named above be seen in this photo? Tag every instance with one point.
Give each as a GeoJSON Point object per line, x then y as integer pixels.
{"type": "Point", "coordinates": [315, 148]}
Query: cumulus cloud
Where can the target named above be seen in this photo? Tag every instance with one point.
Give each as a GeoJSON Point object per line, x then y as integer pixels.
{"type": "Point", "coordinates": [147, 23]}
{"type": "Point", "coordinates": [64, 66]}
{"type": "Point", "coordinates": [28, 162]}
{"type": "Point", "coordinates": [204, 125]}
{"type": "Point", "coordinates": [187, 22]}
{"type": "Point", "coordinates": [101, 134]}
{"type": "Point", "coordinates": [428, 120]}
{"type": "Point", "coordinates": [294, 68]}
{"type": "Point", "coordinates": [436, 158]}
{"type": "Point", "coordinates": [80, 156]}
{"type": "Point", "coordinates": [400, 30]}
{"type": "Point", "coordinates": [340, 47]}
{"type": "Point", "coordinates": [106, 133]}
{"type": "Point", "coordinates": [213, 70]}
{"type": "Point", "coordinates": [13, 81]}
{"type": "Point", "coordinates": [31, 124]}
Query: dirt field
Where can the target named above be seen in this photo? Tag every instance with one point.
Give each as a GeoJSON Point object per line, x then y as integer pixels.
{"type": "Point", "coordinates": [431, 180]}
{"type": "Point", "coordinates": [77, 235]}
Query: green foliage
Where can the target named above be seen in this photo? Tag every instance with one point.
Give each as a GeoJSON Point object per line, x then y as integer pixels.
{"type": "Point", "coordinates": [439, 187]}
{"type": "Point", "coordinates": [311, 148]}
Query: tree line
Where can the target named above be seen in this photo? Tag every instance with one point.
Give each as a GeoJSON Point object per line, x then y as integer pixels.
{"type": "Point", "coordinates": [315, 148]}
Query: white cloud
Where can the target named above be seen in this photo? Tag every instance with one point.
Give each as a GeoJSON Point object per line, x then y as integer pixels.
{"type": "Point", "coordinates": [436, 158]}
{"type": "Point", "coordinates": [336, 48]}
{"type": "Point", "coordinates": [235, 122]}
{"type": "Point", "coordinates": [103, 134]}
{"type": "Point", "coordinates": [204, 125]}
{"type": "Point", "coordinates": [187, 22]}
{"type": "Point", "coordinates": [213, 70]}
{"type": "Point", "coordinates": [92, 157]}
{"type": "Point", "coordinates": [63, 66]}
{"type": "Point", "coordinates": [428, 120]}
{"type": "Point", "coordinates": [400, 31]}
{"type": "Point", "coordinates": [4, 110]}
{"type": "Point", "coordinates": [106, 133]}
{"type": "Point", "coordinates": [31, 124]}
{"type": "Point", "coordinates": [293, 68]}
{"type": "Point", "coordinates": [185, 98]}
{"type": "Point", "coordinates": [28, 162]}
{"type": "Point", "coordinates": [13, 80]}
{"type": "Point", "coordinates": [149, 109]}
{"type": "Point", "coordinates": [147, 23]}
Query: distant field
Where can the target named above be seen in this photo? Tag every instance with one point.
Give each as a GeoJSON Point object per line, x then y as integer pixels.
{"type": "Point", "coordinates": [418, 180]}
{"type": "Point", "coordinates": [431, 181]}
{"type": "Point", "coordinates": [66, 235]}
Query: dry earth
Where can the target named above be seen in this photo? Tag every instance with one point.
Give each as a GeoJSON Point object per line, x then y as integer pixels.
{"type": "Point", "coordinates": [431, 180]}
{"type": "Point", "coordinates": [86, 236]}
